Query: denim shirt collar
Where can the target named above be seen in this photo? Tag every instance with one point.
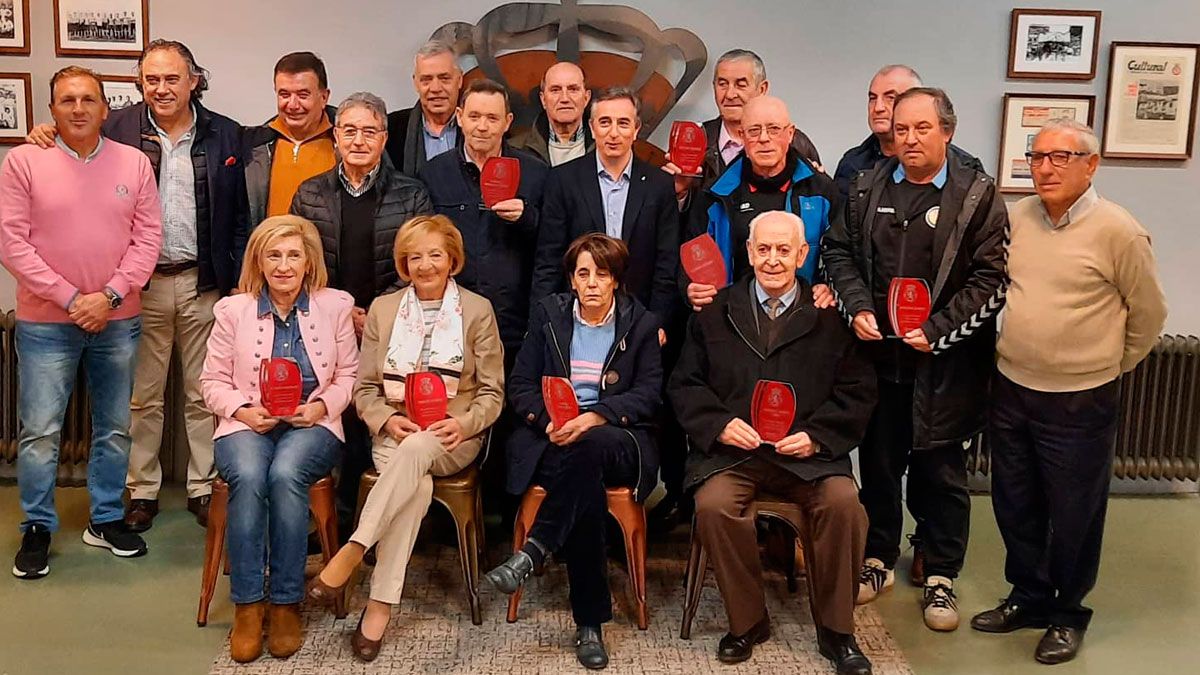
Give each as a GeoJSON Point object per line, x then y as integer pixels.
{"type": "Point", "coordinates": [265, 307]}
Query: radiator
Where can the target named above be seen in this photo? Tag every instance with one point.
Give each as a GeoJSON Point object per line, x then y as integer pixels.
{"type": "Point", "coordinates": [1158, 438]}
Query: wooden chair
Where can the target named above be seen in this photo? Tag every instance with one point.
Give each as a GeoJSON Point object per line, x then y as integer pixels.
{"type": "Point", "coordinates": [321, 503]}
{"type": "Point", "coordinates": [783, 512]}
{"type": "Point", "coordinates": [462, 497]}
{"type": "Point", "coordinates": [630, 515]}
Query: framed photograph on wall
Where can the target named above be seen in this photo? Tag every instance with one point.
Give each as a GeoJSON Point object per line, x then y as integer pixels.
{"type": "Point", "coordinates": [104, 28]}
{"type": "Point", "coordinates": [16, 107]}
{"type": "Point", "coordinates": [14, 27]}
{"type": "Point", "coordinates": [1053, 44]}
{"type": "Point", "coordinates": [121, 91]}
{"type": "Point", "coordinates": [1024, 115]}
{"type": "Point", "coordinates": [1151, 111]}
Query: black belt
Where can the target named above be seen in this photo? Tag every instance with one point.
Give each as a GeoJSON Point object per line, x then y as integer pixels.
{"type": "Point", "coordinates": [171, 269]}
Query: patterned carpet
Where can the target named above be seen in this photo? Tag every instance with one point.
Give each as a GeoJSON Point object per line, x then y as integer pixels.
{"type": "Point", "coordinates": [431, 633]}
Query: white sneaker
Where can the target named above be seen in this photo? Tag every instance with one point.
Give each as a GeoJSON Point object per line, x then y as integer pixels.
{"type": "Point", "coordinates": [873, 579]}
{"type": "Point", "coordinates": [941, 607]}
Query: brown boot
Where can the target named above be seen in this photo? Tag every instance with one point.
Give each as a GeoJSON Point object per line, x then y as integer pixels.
{"type": "Point", "coordinates": [284, 636]}
{"type": "Point", "coordinates": [245, 642]}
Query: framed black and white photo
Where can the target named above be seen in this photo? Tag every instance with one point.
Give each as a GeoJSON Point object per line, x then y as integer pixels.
{"type": "Point", "coordinates": [1024, 115]}
{"type": "Point", "coordinates": [16, 107]}
{"type": "Point", "coordinates": [14, 27]}
{"type": "Point", "coordinates": [1053, 44]}
{"type": "Point", "coordinates": [1151, 111]}
{"type": "Point", "coordinates": [112, 28]}
{"type": "Point", "coordinates": [121, 91]}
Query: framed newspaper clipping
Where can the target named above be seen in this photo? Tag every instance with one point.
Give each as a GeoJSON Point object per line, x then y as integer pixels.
{"type": "Point", "coordinates": [1053, 44]}
{"type": "Point", "coordinates": [1024, 115]}
{"type": "Point", "coordinates": [1151, 112]}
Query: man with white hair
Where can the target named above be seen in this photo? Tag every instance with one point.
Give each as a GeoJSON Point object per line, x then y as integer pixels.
{"type": "Point", "coordinates": [426, 130]}
{"type": "Point", "coordinates": [1084, 306]}
{"type": "Point", "coordinates": [766, 327]}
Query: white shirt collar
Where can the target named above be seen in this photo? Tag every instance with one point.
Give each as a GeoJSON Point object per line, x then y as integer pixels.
{"type": "Point", "coordinates": [1079, 209]}
{"type": "Point", "coordinates": [608, 318]}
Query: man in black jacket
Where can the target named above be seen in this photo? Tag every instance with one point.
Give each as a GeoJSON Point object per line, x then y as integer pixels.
{"type": "Point", "coordinates": [559, 135]}
{"type": "Point", "coordinates": [428, 129]}
{"type": "Point", "coordinates": [765, 327]}
{"type": "Point", "coordinates": [922, 215]}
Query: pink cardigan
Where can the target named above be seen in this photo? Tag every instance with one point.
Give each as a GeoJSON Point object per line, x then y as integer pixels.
{"type": "Point", "coordinates": [240, 339]}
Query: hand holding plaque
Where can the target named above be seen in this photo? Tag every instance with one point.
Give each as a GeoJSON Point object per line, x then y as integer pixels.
{"type": "Point", "coordinates": [561, 403]}
{"type": "Point", "coordinates": [280, 385]}
{"type": "Point", "coordinates": [909, 304]}
{"type": "Point", "coordinates": [499, 180]}
{"type": "Point", "coordinates": [687, 146]}
{"type": "Point", "coordinates": [772, 409]}
{"type": "Point", "coordinates": [425, 398]}
{"type": "Point", "coordinates": [703, 262]}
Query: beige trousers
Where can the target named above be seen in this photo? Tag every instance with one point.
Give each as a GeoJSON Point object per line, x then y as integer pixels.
{"type": "Point", "coordinates": [174, 316]}
{"type": "Point", "coordinates": [391, 516]}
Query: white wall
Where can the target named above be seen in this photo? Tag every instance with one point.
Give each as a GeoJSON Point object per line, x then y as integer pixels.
{"type": "Point", "coordinates": [819, 56]}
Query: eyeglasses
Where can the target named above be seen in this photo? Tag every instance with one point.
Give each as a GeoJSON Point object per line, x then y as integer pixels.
{"type": "Point", "coordinates": [369, 134]}
{"type": "Point", "coordinates": [1058, 158]}
{"type": "Point", "coordinates": [755, 132]}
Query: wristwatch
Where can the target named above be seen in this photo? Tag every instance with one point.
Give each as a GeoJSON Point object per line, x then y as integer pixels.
{"type": "Point", "coordinates": [114, 300]}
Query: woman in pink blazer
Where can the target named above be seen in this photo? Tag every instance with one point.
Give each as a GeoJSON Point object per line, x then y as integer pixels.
{"type": "Point", "coordinates": [284, 310]}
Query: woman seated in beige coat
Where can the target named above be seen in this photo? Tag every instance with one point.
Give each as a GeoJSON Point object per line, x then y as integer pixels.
{"type": "Point", "coordinates": [431, 325]}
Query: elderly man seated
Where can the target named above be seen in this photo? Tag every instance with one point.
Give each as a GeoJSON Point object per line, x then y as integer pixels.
{"type": "Point", "coordinates": [765, 327]}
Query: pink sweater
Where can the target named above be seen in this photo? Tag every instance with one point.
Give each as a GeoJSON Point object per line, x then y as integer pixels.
{"type": "Point", "coordinates": [70, 227]}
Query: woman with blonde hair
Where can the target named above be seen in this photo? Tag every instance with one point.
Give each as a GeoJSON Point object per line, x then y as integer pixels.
{"type": "Point", "coordinates": [283, 311]}
{"type": "Point", "coordinates": [430, 325]}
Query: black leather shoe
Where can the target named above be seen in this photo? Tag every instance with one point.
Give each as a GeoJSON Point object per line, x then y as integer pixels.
{"type": "Point", "coordinates": [1007, 617]}
{"type": "Point", "coordinates": [1059, 645]}
{"type": "Point", "coordinates": [139, 515]}
{"type": "Point", "coordinates": [199, 507]}
{"type": "Point", "coordinates": [738, 648]}
{"type": "Point", "coordinates": [842, 650]}
{"type": "Point", "coordinates": [589, 648]}
{"type": "Point", "coordinates": [510, 574]}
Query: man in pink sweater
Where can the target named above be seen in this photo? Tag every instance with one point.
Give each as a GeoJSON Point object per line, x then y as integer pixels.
{"type": "Point", "coordinates": [80, 229]}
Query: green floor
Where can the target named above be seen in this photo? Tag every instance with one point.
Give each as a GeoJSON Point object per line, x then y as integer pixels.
{"type": "Point", "coordinates": [97, 614]}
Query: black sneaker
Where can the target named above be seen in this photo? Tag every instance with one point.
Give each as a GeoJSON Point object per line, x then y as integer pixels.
{"type": "Point", "coordinates": [33, 560]}
{"type": "Point", "coordinates": [115, 537]}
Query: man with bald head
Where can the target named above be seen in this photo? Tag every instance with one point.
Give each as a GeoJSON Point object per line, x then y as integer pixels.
{"type": "Point", "coordinates": [428, 129]}
{"type": "Point", "coordinates": [766, 326]}
{"type": "Point", "coordinates": [771, 176]}
{"type": "Point", "coordinates": [558, 135]}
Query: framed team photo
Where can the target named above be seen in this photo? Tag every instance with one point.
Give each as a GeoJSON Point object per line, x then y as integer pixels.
{"type": "Point", "coordinates": [121, 91]}
{"type": "Point", "coordinates": [1024, 115]}
{"type": "Point", "coordinates": [1053, 44]}
{"type": "Point", "coordinates": [103, 28]}
{"type": "Point", "coordinates": [16, 107]}
{"type": "Point", "coordinates": [1151, 111]}
{"type": "Point", "coordinates": [14, 27]}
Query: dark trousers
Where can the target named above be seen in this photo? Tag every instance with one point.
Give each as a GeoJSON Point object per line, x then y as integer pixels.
{"type": "Point", "coordinates": [356, 460]}
{"type": "Point", "coordinates": [573, 517]}
{"type": "Point", "coordinates": [1052, 456]}
{"type": "Point", "coordinates": [937, 487]}
{"type": "Point", "coordinates": [832, 533]}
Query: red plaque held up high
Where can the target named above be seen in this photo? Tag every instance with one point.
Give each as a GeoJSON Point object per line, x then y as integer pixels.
{"type": "Point", "coordinates": [280, 385]}
{"type": "Point", "coordinates": [909, 304]}
{"type": "Point", "coordinates": [687, 146]}
{"type": "Point", "coordinates": [561, 403]}
{"type": "Point", "coordinates": [425, 398]}
{"type": "Point", "coordinates": [773, 408]}
{"type": "Point", "coordinates": [703, 262]}
{"type": "Point", "coordinates": [499, 180]}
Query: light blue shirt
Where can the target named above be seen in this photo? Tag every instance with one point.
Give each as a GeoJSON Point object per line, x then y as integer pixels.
{"type": "Point", "coordinates": [1079, 209]}
{"type": "Point", "coordinates": [787, 298]}
{"type": "Point", "coordinates": [939, 181]}
{"type": "Point", "coordinates": [177, 194]}
{"type": "Point", "coordinates": [436, 145]}
{"type": "Point", "coordinates": [613, 195]}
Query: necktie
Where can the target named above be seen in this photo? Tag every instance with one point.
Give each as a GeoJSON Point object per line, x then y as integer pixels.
{"type": "Point", "coordinates": [774, 308]}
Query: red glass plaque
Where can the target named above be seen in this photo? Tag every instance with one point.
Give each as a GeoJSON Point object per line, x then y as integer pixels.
{"type": "Point", "coordinates": [909, 304]}
{"type": "Point", "coordinates": [280, 384]}
{"type": "Point", "coordinates": [499, 180]}
{"type": "Point", "coordinates": [425, 398]}
{"type": "Point", "coordinates": [773, 408]}
{"type": "Point", "coordinates": [561, 403]}
{"type": "Point", "coordinates": [703, 262]}
{"type": "Point", "coordinates": [688, 145]}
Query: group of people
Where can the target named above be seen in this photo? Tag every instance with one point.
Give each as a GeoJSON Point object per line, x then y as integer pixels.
{"type": "Point", "coordinates": [355, 243]}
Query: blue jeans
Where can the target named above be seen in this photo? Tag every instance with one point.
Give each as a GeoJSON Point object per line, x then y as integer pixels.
{"type": "Point", "coordinates": [269, 476]}
{"type": "Point", "coordinates": [48, 356]}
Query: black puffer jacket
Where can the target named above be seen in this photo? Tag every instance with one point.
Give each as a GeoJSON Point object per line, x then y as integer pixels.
{"type": "Point", "coordinates": [319, 199]}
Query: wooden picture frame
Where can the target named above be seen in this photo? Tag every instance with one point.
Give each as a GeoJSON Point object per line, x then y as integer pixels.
{"type": "Point", "coordinates": [101, 28]}
{"type": "Point", "coordinates": [1053, 44]}
{"type": "Point", "coordinates": [1147, 84]}
{"type": "Point", "coordinates": [16, 116]}
{"type": "Point", "coordinates": [14, 19]}
{"type": "Point", "coordinates": [1021, 116]}
{"type": "Point", "coordinates": [123, 86]}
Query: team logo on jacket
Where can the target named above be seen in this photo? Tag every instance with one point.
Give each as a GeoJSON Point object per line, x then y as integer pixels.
{"type": "Point", "coordinates": [931, 216]}
{"type": "Point", "coordinates": [122, 191]}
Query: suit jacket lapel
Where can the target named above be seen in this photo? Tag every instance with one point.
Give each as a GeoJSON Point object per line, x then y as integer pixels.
{"type": "Point", "coordinates": [633, 201]}
{"type": "Point", "coordinates": [589, 182]}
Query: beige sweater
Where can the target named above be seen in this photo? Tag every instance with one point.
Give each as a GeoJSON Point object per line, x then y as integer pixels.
{"type": "Point", "coordinates": [1084, 304]}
